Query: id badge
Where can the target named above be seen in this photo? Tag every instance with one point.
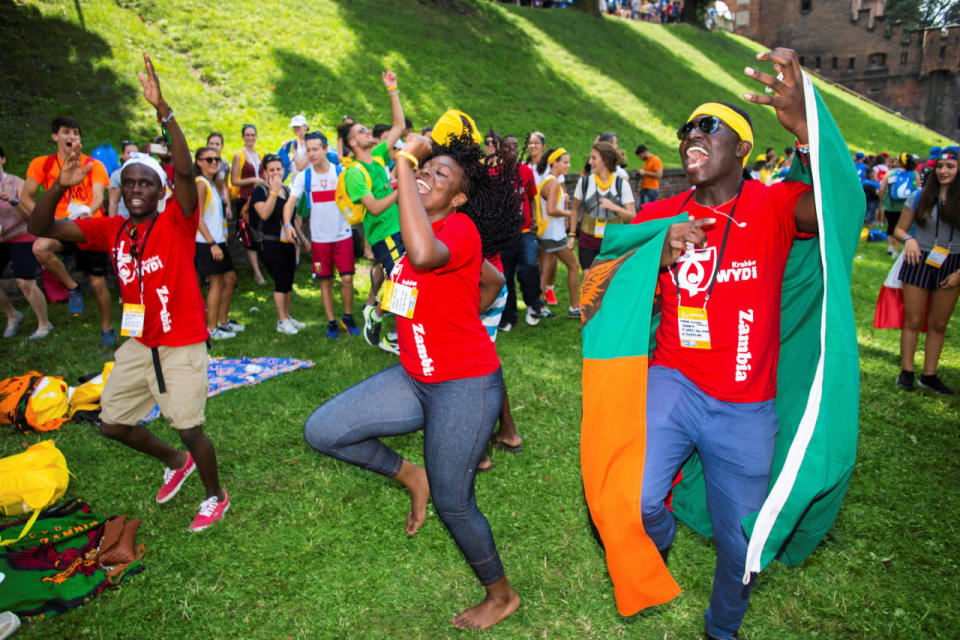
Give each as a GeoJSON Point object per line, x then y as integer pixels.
{"type": "Point", "coordinates": [132, 323]}
{"type": "Point", "coordinates": [937, 256]}
{"type": "Point", "coordinates": [599, 228]}
{"type": "Point", "coordinates": [694, 328]}
{"type": "Point", "coordinates": [398, 299]}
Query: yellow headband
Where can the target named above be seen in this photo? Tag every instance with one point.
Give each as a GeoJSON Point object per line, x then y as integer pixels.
{"type": "Point", "coordinates": [730, 118]}
{"type": "Point", "coordinates": [451, 123]}
{"type": "Point", "coordinates": [553, 157]}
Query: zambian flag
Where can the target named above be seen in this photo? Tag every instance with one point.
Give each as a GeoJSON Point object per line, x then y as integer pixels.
{"type": "Point", "coordinates": [818, 385]}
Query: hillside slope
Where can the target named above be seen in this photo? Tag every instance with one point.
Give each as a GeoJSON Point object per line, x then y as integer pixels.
{"type": "Point", "coordinates": [515, 69]}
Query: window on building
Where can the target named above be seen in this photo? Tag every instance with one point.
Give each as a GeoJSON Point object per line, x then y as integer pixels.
{"type": "Point", "coordinates": [816, 62]}
{"type": "Point", "coordinates": [943, 52]}
{"type": "Point", "coordinates": [853, 63]}
{"type": "Point", "coordinates": [803, 61]}
{"type": "Point", "coordinates": [833, 63]}
{"type": "Point", "coordinates": [877, 61]}
{"type": "Point", "coordinates": [805, 5]}
{"type": "Point", "coordinates": [903, 57]}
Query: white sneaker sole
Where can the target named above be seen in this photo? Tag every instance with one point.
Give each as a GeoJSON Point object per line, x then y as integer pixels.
{"type": "Point", "coordinates": [205, 527]}
{"type": "Point", "coordinates": [170, 496]}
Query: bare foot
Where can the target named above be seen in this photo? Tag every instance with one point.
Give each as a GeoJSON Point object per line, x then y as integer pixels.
{"type": "Point", "coordinates": [485, 464]}
{"type": "Point", "coordinates": [500, 602]}
{"type": "Point", "coordinates": [512, 441]}
{"type": "Point", "coordinates": [414, 478]}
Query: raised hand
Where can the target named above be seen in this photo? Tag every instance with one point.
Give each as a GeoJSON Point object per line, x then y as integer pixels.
{"type": "Point", "coordinates": [420, 146]}
{"type": "Point", "coordinates": [681, 233]}
{"type": "Point", "coordinates": [787, 97]}
{"type": "Point", "coordinates": [150, 82]}
{"type": "Point", "coordinates": [389, 79]}
{"type": "Point", "coordinates": [73, 172]}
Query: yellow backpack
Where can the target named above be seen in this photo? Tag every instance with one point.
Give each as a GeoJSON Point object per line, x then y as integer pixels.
{"type": "Point", "coordinates": [31, 481]}
{"type": "Point", "coordinates": [542, 216]}
{"type": "Point", "coordinates": [34, 401]}
{"type": "Point", "coordinates": [353, 211]}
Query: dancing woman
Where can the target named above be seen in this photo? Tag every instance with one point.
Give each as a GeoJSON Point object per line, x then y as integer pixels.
{"type": "Point", "coordinates": [449, 382]}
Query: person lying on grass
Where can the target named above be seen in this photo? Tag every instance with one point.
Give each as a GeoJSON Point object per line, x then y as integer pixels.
{"type": "Point", "coordinates": [152, 253]}
{"type": "Point", "coordinates": [449, 382]}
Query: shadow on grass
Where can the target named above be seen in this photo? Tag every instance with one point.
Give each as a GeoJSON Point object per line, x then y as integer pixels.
{"type": "Point", "coordinates": [51, 67]}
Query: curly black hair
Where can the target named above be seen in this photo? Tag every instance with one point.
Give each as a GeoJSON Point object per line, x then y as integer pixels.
{"type": "Point", "coordinates": [493, 199]}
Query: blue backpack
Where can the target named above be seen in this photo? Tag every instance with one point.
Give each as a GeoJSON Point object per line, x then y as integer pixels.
{"type": "Point", "coordinates": [107, 156]}
{"type": "Point", "coordinates": [903, 186]}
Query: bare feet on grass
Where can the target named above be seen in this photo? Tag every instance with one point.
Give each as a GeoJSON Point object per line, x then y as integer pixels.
{"type": "Point", "coordinates": [414, 478]}
{"type": "Point", "coordinates": [500, 602]}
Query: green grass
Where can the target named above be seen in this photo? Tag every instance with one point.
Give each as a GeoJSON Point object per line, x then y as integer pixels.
{"type": "Point", "coordinates": [314, 548]}
{"type": "Point", "coordinates": [515, 69]}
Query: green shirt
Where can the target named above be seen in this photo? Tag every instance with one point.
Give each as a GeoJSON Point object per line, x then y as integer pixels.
{"type": "Point", "coordinates": [387, 223]}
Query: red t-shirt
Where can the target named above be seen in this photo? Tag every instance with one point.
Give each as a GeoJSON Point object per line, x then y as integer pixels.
{"type": "Point", "coordinates": [743, 313]}
{"type": "Point", "coordinates": [174, 313]}
{"type": "Point", "coordinates": [527, 188]}
{"type": "Point", "coordinates": [445, 339]}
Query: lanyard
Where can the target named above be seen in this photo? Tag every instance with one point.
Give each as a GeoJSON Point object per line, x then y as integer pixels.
{"type": "Point", "coordinates": [138, 259]}
{"type": "Point", "coordinates": [723, 245]}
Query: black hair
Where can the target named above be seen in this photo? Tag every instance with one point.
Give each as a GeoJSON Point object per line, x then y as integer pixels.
{"type": "Point", "coordinates": [640, 149]}
{"type": "Point", "coordinates": [244, 128]}
{"type": "Point", "coordinates": [543, 164]}
{"type": "Point", "coordinates": [769, 149]}
{"type": "Point", "coordinates": [493, 201]}
{"type": "Point", "coordinates": [343, 132]}
{"type": "Point", "coordinates": [267, 159]}
{"type": "Point", "coordinates": [426, 130]}
{"type": "Point", "coordinates": [215, 134]}
{"type": "Point", "coordinates": [491, 133]}
{"type": "Point", "coordinates": [607, 136]}
{"type": "Point", "coordinates": [2, 154]}
{"type": "Point", "coordinates": [948, 211]}
{"type": "Point", "coordinates": [316, 135]}
{"type": "Point", "coordinates": [524, 155]}
{"type": "Point", "coordinates": [127, 143]}
{"type": "Point", "coordinates": [789, 151]}
{"type": "Point", "coordinates": [64, 121]}
{"type": "Point", "coordinates": [379, 130]}
{"type": "Point", "coordinates": [407, 123]}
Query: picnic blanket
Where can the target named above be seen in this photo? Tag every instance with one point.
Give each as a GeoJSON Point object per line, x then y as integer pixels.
{"type": "Point", "coordinates": [224, 374]}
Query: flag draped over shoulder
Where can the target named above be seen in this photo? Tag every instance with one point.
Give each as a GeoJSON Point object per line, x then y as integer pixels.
{"type": "Point", "coordinates": [818, 385]}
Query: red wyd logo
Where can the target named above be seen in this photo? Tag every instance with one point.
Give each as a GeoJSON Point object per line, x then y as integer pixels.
{"type": "Point", "coordinates": [696, 269]}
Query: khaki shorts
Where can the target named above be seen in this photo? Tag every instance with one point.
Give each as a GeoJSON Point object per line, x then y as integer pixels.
{"type": "Point", "coordinates": [131, 390]}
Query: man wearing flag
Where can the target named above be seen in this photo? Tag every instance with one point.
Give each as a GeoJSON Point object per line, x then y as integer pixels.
{"type": "Point", "coordinates": [746, 272]}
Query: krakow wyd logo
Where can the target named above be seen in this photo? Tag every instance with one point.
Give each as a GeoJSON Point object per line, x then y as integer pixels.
{"type": "Point", "coordinates": [696, 269]}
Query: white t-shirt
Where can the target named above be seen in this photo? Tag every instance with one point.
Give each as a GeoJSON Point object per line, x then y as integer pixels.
{"type": "Point", "coordinates": [327, 224]}
{"type": "Point", "coordinates": [213, 216]}
{"type": "Point", "coordinates": [556, 225]}
{"type": "Point", "coordinates": [115, 184]}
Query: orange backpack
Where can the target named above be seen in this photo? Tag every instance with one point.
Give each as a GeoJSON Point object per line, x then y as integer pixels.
{"type": "Point", "coordinates": [34, 402]}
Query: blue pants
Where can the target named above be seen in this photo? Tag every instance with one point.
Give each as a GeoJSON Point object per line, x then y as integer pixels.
{"type": "Point", "coordinates": [649, 195]}
{"type": "Point", "coordinates": [457, 418]}
{"type": "Point", "coordinates": [521, 259]}
{"type": "Point", "coordinates": [736, 444]}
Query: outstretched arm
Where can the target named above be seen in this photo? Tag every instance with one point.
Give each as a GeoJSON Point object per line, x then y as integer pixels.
{"type": "Point", "coordinates": [422, 247]}
{"type": "Point", "coordinates": [396, 111]}
{"type": "Point", "coordinates": [185, 188]}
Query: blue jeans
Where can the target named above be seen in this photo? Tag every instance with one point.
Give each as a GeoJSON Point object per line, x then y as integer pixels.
{"type": "Point", "coordinates": [457, 418]}
{"type": "Point", "coordinates": [521, 259]}
{"type": "Point", "coordinates": [736, 444]}
{"type": "Point", "coordinates": [648, 195]}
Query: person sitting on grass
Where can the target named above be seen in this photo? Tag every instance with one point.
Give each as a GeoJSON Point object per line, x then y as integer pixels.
{"type": "Point", "coordinates": [152, 253]}
{"type": "Point", "coordinates": [449, 382]}
{"type": "Point", "coordinates": [212, 259]}
{"type": "Point", "coordinates": [331, 239]}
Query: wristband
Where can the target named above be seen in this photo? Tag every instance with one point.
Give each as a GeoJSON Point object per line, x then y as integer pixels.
{"type": "Point", "coordinates": [410, 157]}
{"type": "Point", "coordinates": [908, 237]}
{"type": "Point", "coordinates": [273, 193]}
{"type": "Point", "coordinates": [393, 88]}
{"type": "Point", "coordinates": [803, 148]}
{"type": "Point", "coordinates": [287, 226]}
{"type": "Point", "coordinates": [167, 119]}
{"type": "Point", "coordinates": [571, 235]}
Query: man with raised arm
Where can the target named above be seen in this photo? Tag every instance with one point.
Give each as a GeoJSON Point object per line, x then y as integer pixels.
{"type": "Point", "coordinates": [152, 253]}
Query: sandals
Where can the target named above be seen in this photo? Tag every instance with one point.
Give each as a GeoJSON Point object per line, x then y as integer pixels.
{"type": "Point", "coordinates": [41, 332]}
{"type": "Point", "coordinates": [12, 326]}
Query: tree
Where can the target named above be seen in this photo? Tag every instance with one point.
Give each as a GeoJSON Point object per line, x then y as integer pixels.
{"type": "Point", "coordinates": [923, 14]}
{"type": "Point", "coordinates": [588, 6]}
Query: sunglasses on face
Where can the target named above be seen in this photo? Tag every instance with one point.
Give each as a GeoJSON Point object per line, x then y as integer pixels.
{"type": "Point", "coordinates": [132, 233]}
{"type": "Point", "coordinates": [707, 125]}
{"type": "Point", "coordinates": [488, 141]}
{"type": "Point", "coordinates": [362, 129]}
{"type": "Point", "coordinates": [211, 160]}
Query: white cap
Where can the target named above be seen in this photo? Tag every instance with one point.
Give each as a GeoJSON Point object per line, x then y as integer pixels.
{"type": "Point", "coordinates": [147, 161]}
{"type": "Point", "coordinates": [299, 120]}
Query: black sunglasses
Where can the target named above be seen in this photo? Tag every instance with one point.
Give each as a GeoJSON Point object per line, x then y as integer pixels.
{"type": "Point", "coordinates": [132, 234]}
{"type": "Point", "coordinates": [707, 125]}
{"type": "Point", "coordinates": [211, 159]}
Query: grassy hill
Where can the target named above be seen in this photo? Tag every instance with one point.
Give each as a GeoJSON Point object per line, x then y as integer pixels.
{"type": "Point", "coordinates": [515, 69]}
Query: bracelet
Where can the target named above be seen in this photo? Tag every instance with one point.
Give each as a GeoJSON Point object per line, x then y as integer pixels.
{"type": "Point", "coordinates": [167, 119]}
{"type": "Point", "coordinates": [908, 237]}
{"type": "Point", "coordinates": [287, 226]}
{"type": "Point", "coordinates": [803, 148]}
{"type": "Point", "coordinates": [393, 88]}
{"type": "Point", "coordinates": [273, 193]}
{"type": "Point", "coordinates": [410, 157]}
{"type": "Point", "coordinates": [571, 235]}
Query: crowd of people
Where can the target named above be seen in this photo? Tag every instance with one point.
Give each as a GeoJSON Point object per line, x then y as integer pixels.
{"type": "Point", "coordinates": [452, 221]}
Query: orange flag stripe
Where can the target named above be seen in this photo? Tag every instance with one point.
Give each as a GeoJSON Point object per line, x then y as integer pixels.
{"type": "Point", "coordinates": [613, 438]}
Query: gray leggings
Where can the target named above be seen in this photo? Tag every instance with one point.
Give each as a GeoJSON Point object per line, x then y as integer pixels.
{"type": "Point", "coordinates": [457, 418]}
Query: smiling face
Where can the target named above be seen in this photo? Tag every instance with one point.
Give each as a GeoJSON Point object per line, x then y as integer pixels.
{"type": "Point", "coordinates": [141, 190]}
{"type": "Point", "coordinates": [596, 162]}
{"type": "Point", "coordinates": [440, 185]}
{"type": "Point", "coordinates": [561, 165]}
{"type": "Point", "coordinates": [216, 143]}
{"type": "Point", "coordinates": [535, 148]}
{"type": "Point", "coordinates": [707, 157]}
{"type": "Point", "coordinates": [509, 148]}
{"type": "Point", "coordinates": [946, 171]}
{"type": "Point", "coordinates": [209, 162]}
{"type": "Point", "coordinates": [249, 137]}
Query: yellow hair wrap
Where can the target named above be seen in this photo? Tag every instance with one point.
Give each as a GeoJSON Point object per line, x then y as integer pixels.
{"type": "Point", "coordinates": [730, 118]}
{"type": "Point", "coordinates": [451, 123]}
{"type": "Point", "coordinates": [553, 157]}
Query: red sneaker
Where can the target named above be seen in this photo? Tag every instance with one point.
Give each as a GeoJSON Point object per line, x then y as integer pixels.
{"type": "Point", "coordinates": [211, 510]}
{"type": "Point", "coordinates": [173, 479]}
{"type": "Point", "coordinates": [550, 297]}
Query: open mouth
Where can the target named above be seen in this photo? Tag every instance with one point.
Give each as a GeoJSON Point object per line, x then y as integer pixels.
{"type": "Point", "coordinates": [423, 187]}
{"type": "Point", "coordinates": [697, 156]}
{"type": "Point", "coordinates": [136, 202]}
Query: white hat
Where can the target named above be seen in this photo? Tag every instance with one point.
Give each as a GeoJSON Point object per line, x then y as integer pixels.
{"type": "Point", "coordinates": [299, 120]}
{"type": "Point", "coordinates": [147, 161]}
